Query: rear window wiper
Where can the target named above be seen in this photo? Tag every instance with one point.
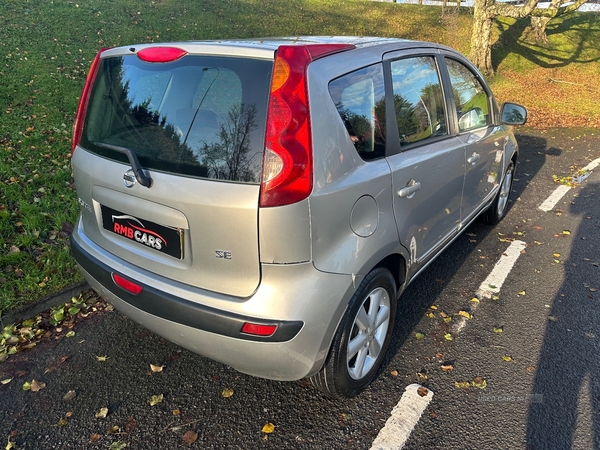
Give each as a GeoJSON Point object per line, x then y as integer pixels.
{"type": "Point", "coordinates": [140, 176]}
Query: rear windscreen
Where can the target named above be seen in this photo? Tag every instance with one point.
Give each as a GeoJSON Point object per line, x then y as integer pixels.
{"type": "Point", "coordinates": [199, 116]}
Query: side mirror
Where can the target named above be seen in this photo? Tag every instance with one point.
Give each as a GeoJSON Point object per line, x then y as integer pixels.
{"type": "Point", "coordinates": [513, 114]}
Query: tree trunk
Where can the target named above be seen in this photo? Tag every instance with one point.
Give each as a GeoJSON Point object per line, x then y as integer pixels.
{"type": "Point", "coordinates": [481, 39]}
{"type": "Point", "coordinates": [537, 29]}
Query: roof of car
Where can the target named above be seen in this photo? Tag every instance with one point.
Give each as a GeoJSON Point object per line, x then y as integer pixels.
{"type": "Point", "coordinates": [265, 47]}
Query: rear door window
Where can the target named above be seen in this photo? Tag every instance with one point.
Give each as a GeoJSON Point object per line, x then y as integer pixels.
{"type": "Point", "coordinates": [200, 116]}
{"type": "Point", "coordinates": [418, 99]}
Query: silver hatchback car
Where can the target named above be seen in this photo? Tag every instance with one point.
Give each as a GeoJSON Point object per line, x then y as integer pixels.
{"type": "Point", "coordinates": [265, 202]}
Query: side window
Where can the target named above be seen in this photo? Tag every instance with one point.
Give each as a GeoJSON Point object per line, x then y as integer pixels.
{"type": "Point", "coordinates": [471, 100]}
{"type": "Point", "coordinates": [418, 99]}
{"type": "Point", "coordinates": [360, 100]}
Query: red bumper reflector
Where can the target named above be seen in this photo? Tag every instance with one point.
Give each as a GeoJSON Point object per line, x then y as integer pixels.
{"type": "Point", "coordinates": [129, 286]}
{"type": "Point", "coordinates": [259, 330]}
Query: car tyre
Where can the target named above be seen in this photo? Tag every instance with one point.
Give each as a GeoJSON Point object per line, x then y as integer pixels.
{"type": "Point", "coordinates": [499, 206]}
{"type": "Point", "coordinates": [362, 338]}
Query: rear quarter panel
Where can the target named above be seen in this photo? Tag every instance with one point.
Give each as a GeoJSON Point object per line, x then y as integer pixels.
{"type": "Point", "coordinates": [341, 178]}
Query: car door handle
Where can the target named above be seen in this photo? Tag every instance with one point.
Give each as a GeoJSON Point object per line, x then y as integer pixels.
{"type": "Point", "coordinates": [474, 158]}
{"type": "Point", "coordinates": [408, 191]}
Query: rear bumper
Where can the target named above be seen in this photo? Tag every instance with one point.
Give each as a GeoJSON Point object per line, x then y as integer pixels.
{"type": "Point", "coordinates": [305, 304]}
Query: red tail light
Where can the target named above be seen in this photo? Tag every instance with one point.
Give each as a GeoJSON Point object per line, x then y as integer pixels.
{"type": "Point", "coordinates": [287, 161]}
{"type": "Point", "coordinates": [83, 101]}
{"type": "Point", "coordinates": [124, 283]}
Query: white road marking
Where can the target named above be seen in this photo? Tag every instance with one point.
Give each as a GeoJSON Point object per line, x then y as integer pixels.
{"type": "Point", "coordinates": [560, 191]}
{"type": "Point", "coordinates": [591, 166]}
{"type": "Point", "coordinates": [403, 419]}
{"type": "Point", "coordinates": [551, 201]}
{"type": "Point", "coordinates": [492, 284]}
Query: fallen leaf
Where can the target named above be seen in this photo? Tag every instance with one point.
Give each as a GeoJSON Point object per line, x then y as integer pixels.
{"type": "Point", "coordinates": [434, 415]}
{"type": "Point", "coordinates": [95, 437]}
{"type": "Point", "coordinates": [227, 392]}
{"type": "Point", "coordinates": [422, 391]}
{"type": "Point", "coordinates": [422, 376]}
{"type": "Point", "coordinates": [68, 414]}
{"type": "Point", "coordinates": [176, 412]}
{"type": "Point", "coordinates": [431, 315]}
{"type": "Point", "coordinates": [566, 233]}
{"type": "Point", "coordinates": [495, 297]}
{"type": "Point", "coordinates": [102, 413]}
{"type": "Point", "coordinates": [69, 396]}
{"type": "Point", "coordinates": [474, 300]}
{"type": "Point", "coordinates": [130, 424]}
{"type": "Point", "coordinates": [465, 314]}
{"type": "Point", "coordinates": [6, 381]}
{"type": "Point", "coordinates": [498, 330]}
{"type": "Point", "coordinates": [521, 293]}
{"type": "Point", "coordinates": [155, 368]}
{"type": "Point", "coordinates": [447, 319]}
{"type": "Point", "coordinates": [448, 337]}
{"type": "Point", "coordinates": [553, 318]}
{"type": "Point", "coordinates": [439, 355]}
{"type": "Point", "coordinates": [62, 423]}
{"type": "Point", "coordinates": [102, 358]}
{"type": "Point", "coordinates": [394, 373]}
{"type": "Point", "coordinates": [419, 336]}
{"type": "Point", "coordinates": [112, 430]}
{"type": "Point", "coordinates": [462, 384]}
{"type": "Point", "coordinates": [37, 385]}
{"type": "Point", "coordinates": [479, 382]}
{"type": "Point", "coordinates": [530, 369]}
{"type": "Point", "coordinates": [155, 399]}
{"type": "Point", "coordinates": [190, 437]}
{"type": "Point", "coordinates": [507, 358]}
{"type": "Point", "coordinates": [433, 307]}
{"type": "Point", "coordinates": [70, 334]}
{"type": "Point", "coordinates": [119, 445]}
{"type": "Point", "coordinates": [590, 335]}
{"type": "Point", "coordinates": [447, 367]}
{"type": "Point", "coordinates": [268, 428]}
{"type": "Point", "coordinates": [556, 255]}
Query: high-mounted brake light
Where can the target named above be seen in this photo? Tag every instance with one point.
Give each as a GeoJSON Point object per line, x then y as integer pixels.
{"type": "Point", "coordinates": [83, 101]}
{"type": "Point", "coordinates": [258, 329]}
{"type": "Point", "coordinates": [124, 283]}
{"type": "Point", "coordinates": [161, 54]}
{"type": "Point", "coordinates": [287, 160]}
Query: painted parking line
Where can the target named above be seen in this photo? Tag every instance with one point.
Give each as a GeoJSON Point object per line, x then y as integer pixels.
{"type": "Point", "coordinates": [554, 198]}
{"type": "Point", "coordinates": [403, 419]}
{"type": "Point", "coordinates": [494, 281]}
{"type": "Point", "coordinates": [560, 191]}
{"type": "Point", "coordinates": [591, 166]}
